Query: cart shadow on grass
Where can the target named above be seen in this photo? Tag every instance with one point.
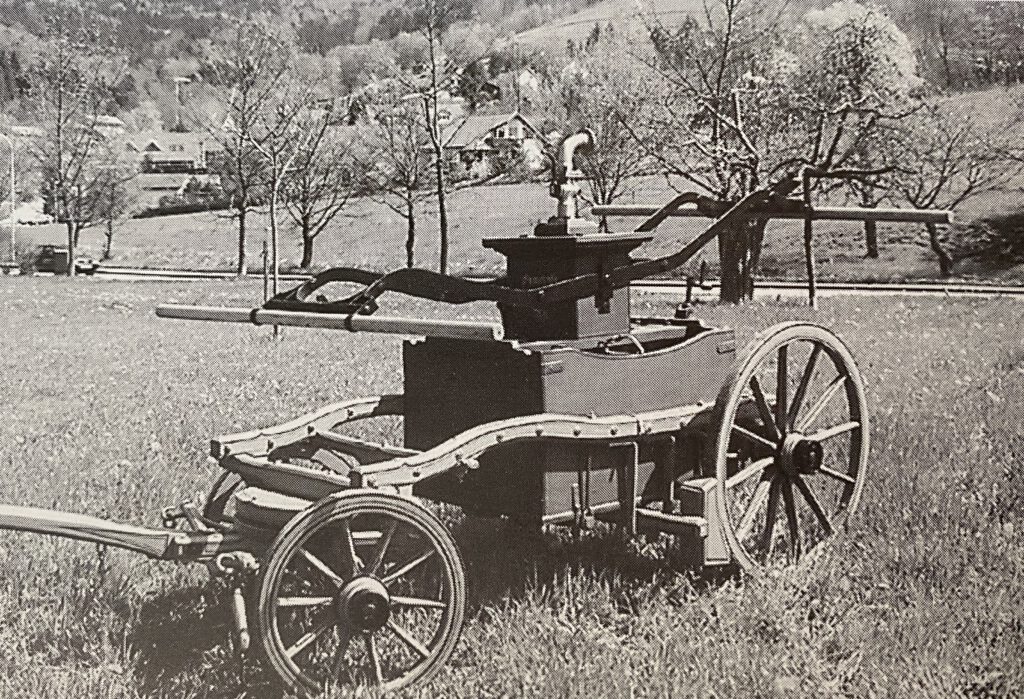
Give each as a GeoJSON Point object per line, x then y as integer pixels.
{"type": "Point", "coordinates": [184, 637]}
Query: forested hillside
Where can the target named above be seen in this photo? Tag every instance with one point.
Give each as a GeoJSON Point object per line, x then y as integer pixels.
{"type": "Point", "coordinates": [960, 44]}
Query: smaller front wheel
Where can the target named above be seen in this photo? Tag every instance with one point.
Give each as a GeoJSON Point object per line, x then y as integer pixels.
{"type": "Point", "coordinates": [362, 589]}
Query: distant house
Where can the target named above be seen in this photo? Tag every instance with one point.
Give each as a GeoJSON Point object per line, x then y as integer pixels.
{"type": "Point", "coordinates": [170, 152]}
{"type": "Point", "coordinates": [479, 142]}
{"type": "Point", "coordinates": [519, 90]}
{"type": "Point", "coordinates": [27, 132]}
{"type": "Point", "coordinates": [172, 165]}
{"type": "Point", "coordinates": [108, 126]}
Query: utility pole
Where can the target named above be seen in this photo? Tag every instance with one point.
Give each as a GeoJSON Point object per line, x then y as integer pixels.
{"type": "Point", "coordinates": [178, 82]}
{"type": "Point", "coordinates": [10, 143]}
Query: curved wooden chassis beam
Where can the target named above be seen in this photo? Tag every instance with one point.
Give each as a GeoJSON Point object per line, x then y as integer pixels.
{"type": "Point", "coordinates": [462, 450]}
{"type": "Point", "coordinates": [323, 421]}
{"type": "Point", "coordinates": [247, 453]}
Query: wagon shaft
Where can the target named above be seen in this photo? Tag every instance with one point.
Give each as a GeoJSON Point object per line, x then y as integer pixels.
{"type": "Point", "coordinates": [155, 543]}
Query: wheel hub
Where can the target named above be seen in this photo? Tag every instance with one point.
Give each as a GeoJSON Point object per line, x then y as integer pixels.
{"type": "Point", "coordinates": [365, 604]}
{"type": "Point", "coordinates": [800, 455]}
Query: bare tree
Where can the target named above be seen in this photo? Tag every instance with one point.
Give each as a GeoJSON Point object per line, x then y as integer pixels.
{"type": "Point", "coordinates": [252, 65]}
{"type": "Point", "coordinates": [326, 177]}
{"type": "Point", "coordinates": [71, 79]}
{"type": "Point", "coordinates": [599, 90]}
{"type": "Point", "coordinates": [450, 45]}
{"type": "Point", "coordinates": [395, 160]}
{"type": "Point", "coordinates": [118, 197]}
{"type": "Point", "coordinates": [749, 104]}
{"type": "Point", "coordinates": [947, 159]}
{"type": "Point", "coordinates": [280, 134]}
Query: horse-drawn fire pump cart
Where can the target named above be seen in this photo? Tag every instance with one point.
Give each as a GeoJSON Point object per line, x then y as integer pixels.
{"type": "Point", "coordinates": [571, 410]}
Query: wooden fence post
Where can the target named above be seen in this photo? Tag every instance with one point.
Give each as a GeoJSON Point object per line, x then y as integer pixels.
{"type": "Point", "coordinates": [809, 240]}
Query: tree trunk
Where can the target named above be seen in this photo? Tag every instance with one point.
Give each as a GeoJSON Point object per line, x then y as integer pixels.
{"type": "Point", "coordinates": [275, 259]}
{"type": "Point", "coordinates": [307, 248]}
{"type": "Point", "coordinates": [739, 253]}
{"type": "Point", "coordinates": [442, 215]}
{"type": "Point", "coordinates": [871, 239]}
{"type": "Point", "coordinates": [730, 262]}
{"type": "Point", "coordinates": [945, 259]}
{"type": "Point", "coordinates": [72, 242]}
{"type": "Point", "coordinates": [944, 54]}
{"type": "Point", "coordinates": [410, 238]}
{"type": "Point", "coordinates": [241, 241]}
{"type": "Point", "coordinates": [109, 242]}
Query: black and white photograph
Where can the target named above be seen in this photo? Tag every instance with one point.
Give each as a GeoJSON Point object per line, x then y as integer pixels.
{"type": "Point", "coordinates": [501, 349]}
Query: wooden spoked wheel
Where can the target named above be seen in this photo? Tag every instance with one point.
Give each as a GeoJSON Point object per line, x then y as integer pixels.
{"type": "Point", "coordinates": [792, 447]}
{"type": "Point", "coordinates": [361, 589]}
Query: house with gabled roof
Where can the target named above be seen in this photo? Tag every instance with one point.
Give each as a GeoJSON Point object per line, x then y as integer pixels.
{"type": "Point", "coordinates": [172, 152]}
{"type": "Point", "coordinates": [172, 163]}
{"type": "Point", "coordinates": [478, 141]}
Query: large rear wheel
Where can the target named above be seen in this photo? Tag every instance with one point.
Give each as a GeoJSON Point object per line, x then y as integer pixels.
{"type": "Point", "coordinates": [792, 447]}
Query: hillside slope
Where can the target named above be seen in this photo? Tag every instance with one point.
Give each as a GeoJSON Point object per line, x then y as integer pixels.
{"type": "Point", "coordinates": [620, 13]}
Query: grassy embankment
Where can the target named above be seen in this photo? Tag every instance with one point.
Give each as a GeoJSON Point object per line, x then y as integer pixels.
{"type": "Point", "coordinates": [107, 410]}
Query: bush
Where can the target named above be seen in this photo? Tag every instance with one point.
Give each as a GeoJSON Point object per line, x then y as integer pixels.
{"type": "Point", "coordinates": [996, 239]}
{"type": "Point", "coordinates": [170, 209]}
{"type": "Point", "coordinates": [25, 254]}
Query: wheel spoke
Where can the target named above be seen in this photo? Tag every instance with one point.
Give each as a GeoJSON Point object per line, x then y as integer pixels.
{"type": "Point", "coordinates": [845, 477]}
{"type": "Point", "coordinates": [763, 409]}
{"type": "Point", "coordinates": [310, 636]}
{"type": "Point", "coordinates": [348, 549]}
{"type": "Point", "coordinates": [303, 601]}
{"type": "Point", "coordinates": [374, 656]}
{"type": "Point", "coordinates": [782, 389]}
{"type": "Point", "coordinates": [750, 515]}
{"type": "Point", "coordinates": [344, 638]}
{"type": "Point", "coordinates": [417, 602]}
{"type": "Point", "coordinates": [408, 639]}
{"type": "Point", "coordinates": [322, 567]}
{"type": "Point", "coordinates": [812, 502]}
{"type": "Point", "coordinates": [752, 470]}
{"type": "Point", "coordinates": [769, 522]}
{"type": "Point", "coordinates": [407, 568]}
{"type": "Point", "coordinates": [754, 437]}
{"type": "Point", "coordinates": [822, 435]}
{"type": "Point", "coordinates": [382, 548]}
{"type": "Point", "coordinates": [791, 519]}
{"type": "Point", "coordinates": [822, 402]}
{"type": "Point", "coordinates": [801, 389]}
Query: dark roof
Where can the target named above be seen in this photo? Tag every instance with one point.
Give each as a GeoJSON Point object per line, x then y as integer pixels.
{"type": "Point", "coordinates": [475, 127]}
{"type": "Point", "coordinates": [183, 145]}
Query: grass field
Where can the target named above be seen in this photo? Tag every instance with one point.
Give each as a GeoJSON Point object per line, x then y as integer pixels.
{"type": "Point", "coordinates": [372, 236]}
{"type": "Point", "coordinates": [107, 410]}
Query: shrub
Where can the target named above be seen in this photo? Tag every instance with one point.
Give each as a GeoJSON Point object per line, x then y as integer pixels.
{"type": "Point", "coordinates": [996, 239]}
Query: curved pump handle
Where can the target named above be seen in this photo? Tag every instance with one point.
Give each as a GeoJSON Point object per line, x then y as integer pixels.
{"type": "Point", "coordinates": [583, 141]}
{"type": "Point", "coordinates": [563, 187]}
